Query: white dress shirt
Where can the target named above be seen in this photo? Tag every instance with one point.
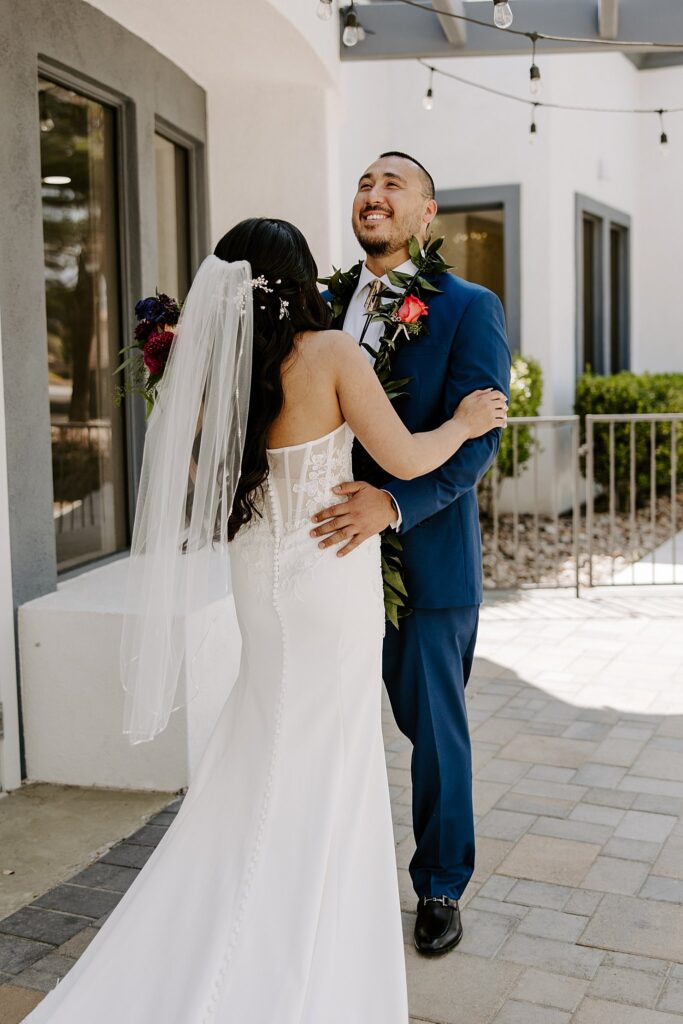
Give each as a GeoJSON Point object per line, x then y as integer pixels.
{"type": "Point", "coordinates": [356, 319]}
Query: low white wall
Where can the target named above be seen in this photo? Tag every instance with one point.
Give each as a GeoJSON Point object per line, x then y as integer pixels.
{"type": "Point", "coordinates": [73, 699]}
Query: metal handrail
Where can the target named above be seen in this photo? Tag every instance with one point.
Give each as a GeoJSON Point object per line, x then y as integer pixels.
{"type": "Point", "coordinates": [620, 527]}
{"type": "Point", "coordinates": [630, 419]}
{"type": "Point", "coordinates": [634, 417]}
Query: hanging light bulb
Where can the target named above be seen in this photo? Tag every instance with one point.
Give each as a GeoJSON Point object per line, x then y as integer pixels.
{"type": "Point", "coordinates": [428, 99]}
{"type": "Point", "coordinates": [663, 138]}
{"type": "Point", "coordinates": [533, 130]}
{"type": "Point", "coordinates": [350, 35]}
{"type": "Point", "coordinates": [502, 13]}
{"type": "Point", "coordinates": [325, 10]}
{"type": "Point", "coordinates": [534, 71]}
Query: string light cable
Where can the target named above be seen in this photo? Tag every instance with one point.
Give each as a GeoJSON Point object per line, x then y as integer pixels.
{"type": "Point", "coordinates": [428, 101]}
{"type": "Point", "coordinates": [354, 32]}
{"type": "Point", "coordinates": [547, 36]}
{"type": "Point", "coordinates": [548, 105]}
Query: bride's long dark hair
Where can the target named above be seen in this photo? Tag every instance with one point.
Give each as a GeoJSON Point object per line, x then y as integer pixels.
{"type": "Point", "coordinates": [276, 250]}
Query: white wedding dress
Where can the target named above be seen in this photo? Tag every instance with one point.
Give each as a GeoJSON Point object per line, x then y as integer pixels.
{"type": "Point", "coordinates": [273, 897]}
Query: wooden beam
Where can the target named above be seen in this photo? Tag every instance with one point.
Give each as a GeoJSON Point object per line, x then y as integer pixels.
{"type": "Point", "coordinates": [454, 30]}
{"type": "Point", "coordinates": [402, 32]}
{"type": "Point", "coordinates": [608, 19]}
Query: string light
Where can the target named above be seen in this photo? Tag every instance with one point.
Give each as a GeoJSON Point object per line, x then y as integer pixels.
{"type": "Point", "coordinates": [534, 71]}
{"type": "Point", "coordinates": [354, 32]}
{"type": "Point", "coordinates": [663, 138]}
{"type": "Point", "coordinates": [533, 130]}
{"type": "Point", "coordinates": [428, 100]}
{"type": "Point", "coordinates": [535, 104]}
{"type": "Point", "coordinates": [502, 14]}
{"type": "Point", "coordinates": [619, 44]}
{"type": "Point", "coordinates": [351, 34]}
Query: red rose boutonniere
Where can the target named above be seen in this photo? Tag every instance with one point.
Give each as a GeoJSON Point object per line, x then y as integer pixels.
{"type": "Point", "coordinates": [411, 309]}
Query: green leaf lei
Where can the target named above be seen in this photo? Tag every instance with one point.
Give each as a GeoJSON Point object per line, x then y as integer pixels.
{"type": "Point", "coordinates": [341, 285]}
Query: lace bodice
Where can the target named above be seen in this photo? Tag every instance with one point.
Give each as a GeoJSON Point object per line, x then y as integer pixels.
{"type": "Point", "coordinates": [299, 484]}
{"type": "Point", "coordinates": [302, 475]}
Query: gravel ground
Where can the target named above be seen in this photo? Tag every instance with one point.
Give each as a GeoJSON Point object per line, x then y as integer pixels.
{"type": "Point", "coordinates": [544, 556]}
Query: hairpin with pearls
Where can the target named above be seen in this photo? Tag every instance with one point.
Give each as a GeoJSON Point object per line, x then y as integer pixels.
{"type": "Point", "coordinates": [262, 283]}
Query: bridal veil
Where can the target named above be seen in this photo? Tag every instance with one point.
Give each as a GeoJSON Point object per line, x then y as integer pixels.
{"type": "Point", "coordinates": [191, 465]}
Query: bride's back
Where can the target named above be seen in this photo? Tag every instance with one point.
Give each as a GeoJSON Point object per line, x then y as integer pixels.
{"type": "Point", "coordinates": [311, 407]}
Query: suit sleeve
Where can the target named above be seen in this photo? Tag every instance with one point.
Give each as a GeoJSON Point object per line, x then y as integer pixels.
{"type": "Point", "coordinates": [480, 358]}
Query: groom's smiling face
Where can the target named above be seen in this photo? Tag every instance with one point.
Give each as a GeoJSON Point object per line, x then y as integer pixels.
{"type": "Point", "coordinates": [391, 205]}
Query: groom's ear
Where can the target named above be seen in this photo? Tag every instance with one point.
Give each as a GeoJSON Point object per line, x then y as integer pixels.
{"type": "Point", "coordinates": [430, 212]}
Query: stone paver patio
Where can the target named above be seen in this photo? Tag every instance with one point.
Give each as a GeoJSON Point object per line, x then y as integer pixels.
{"type": "Point", "coordinates": [575, 910]}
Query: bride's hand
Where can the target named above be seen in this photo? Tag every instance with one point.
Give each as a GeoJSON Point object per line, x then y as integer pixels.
{"type": "Point", "coordinates": [482, 411]}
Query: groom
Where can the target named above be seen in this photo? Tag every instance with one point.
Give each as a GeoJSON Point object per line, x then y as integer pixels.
{"type": "Point", "coordinates": [427, 661]}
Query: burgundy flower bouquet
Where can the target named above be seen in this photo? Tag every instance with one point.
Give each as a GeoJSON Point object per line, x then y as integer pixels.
{"type": "Point", "coordinates": [157, 315]}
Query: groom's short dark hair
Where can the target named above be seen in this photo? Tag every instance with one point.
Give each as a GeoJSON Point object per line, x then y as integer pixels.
{"type": "Point", "coordinates": [427, 180]}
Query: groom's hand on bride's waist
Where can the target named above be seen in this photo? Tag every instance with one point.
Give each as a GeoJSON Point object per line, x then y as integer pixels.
{"type": "Point", "coordinates": [365, 512]}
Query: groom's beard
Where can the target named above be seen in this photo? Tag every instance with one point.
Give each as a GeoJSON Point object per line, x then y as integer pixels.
{"type": "Point", "coordinates": [398, 237]}
{"type": "Point", "coordinates": [377, 247]}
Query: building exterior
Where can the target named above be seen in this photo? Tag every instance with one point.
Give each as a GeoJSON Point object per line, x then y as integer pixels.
{"type": "Point", "coordinates": [135, 136]}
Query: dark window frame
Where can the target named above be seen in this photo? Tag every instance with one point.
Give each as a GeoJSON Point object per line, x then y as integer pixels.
{"type": "Point", "coordinates": [605, 218]}
{"type": "Point", "coordinates": [496, 197]}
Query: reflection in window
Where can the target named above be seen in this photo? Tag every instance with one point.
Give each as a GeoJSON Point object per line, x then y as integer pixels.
{"type": "Point", "coordinates": [173, 239]}
{"type": "Point", "coordinates": [619, 300]}
{"type": "Point", "coordinates": [475, 245]}
{"type": "Point", "coordinates": [78, 168]}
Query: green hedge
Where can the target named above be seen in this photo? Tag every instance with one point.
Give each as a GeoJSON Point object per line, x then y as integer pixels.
{"type": "Point", "coordinates": [632, 393]}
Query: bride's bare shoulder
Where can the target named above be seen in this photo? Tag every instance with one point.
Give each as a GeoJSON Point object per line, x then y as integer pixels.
{"type": "Point", "coordinates": [330, 345]}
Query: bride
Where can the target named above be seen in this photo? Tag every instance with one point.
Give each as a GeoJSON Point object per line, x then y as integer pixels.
{"type": "Point", "coordinates": [273, 897]}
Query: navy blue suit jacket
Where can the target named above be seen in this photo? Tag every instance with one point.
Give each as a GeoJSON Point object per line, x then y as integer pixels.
{"type": "Point", "coordinates": [466, 349]}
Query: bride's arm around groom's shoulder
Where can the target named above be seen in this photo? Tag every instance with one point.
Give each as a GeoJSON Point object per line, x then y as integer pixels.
{"type": "Point", "coordinates": [383, 434]}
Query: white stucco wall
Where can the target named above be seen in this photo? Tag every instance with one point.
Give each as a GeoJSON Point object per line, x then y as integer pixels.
{"type": "Point", "coordinates": [471, 139]}
{"type": "Point", "coordinates": [271, 102]}
{"type": "Point", "coordinates": [660, 214]}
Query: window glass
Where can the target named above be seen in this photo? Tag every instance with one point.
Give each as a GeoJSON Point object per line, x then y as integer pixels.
{"type": "Point", "coordinates": [604, 316]}
{"type": "Point", "coordinates": [592, 333]}
{"type": "Point", "coordinates": [173, 239]}
{"type": "Point", "coordinates": [475, 245]}
{"type": "Point", "coordinates": [80, 232]}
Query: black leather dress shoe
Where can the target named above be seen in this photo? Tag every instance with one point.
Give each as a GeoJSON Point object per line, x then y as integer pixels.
{"type": "Point", "coordinates": [438, 927]}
